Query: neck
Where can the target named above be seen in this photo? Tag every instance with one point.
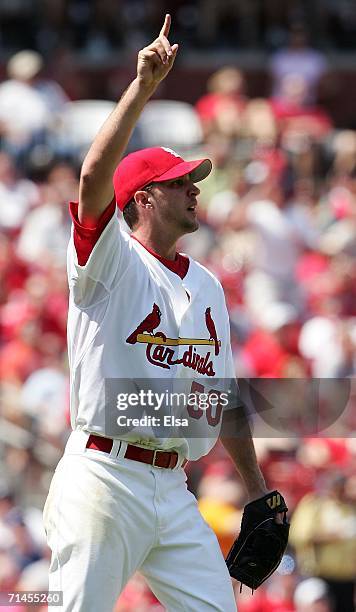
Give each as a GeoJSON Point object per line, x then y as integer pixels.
{"type": "Point", "coordinates": [163, 245]}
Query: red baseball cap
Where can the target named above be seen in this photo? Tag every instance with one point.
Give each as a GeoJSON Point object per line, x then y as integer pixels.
{"type": "Point", "coordinates": [151, 165]}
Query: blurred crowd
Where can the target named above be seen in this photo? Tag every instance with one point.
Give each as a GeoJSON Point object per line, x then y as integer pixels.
{"type": "Point", "coordinates": [278, 218]}
{"type": "Point", "coordinates": [99, 27]}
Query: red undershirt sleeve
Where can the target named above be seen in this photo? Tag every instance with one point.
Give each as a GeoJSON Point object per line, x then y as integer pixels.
{"type": "Point", "coordinates": [85, 238]}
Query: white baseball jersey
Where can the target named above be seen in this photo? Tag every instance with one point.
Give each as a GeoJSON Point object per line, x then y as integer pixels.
{"type": "Point", "coordinates": [131, 317]}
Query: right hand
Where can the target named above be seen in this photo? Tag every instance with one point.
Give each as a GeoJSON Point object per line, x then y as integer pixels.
{"type": "Point", "coordinates": [155, 61]}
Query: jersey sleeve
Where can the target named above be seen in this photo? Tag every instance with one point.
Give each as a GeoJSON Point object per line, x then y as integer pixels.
{"type": "Point", "coordinates": [85, 238]}
{"type": "Point", "coordinates": [96, 257]}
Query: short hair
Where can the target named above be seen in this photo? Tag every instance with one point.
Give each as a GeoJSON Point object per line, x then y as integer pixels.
{"type": "Point", "coordinates": [130, 214]}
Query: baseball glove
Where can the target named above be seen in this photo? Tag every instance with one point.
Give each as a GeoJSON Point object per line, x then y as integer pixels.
{"type": "Point", "coordinates": [260, 546]}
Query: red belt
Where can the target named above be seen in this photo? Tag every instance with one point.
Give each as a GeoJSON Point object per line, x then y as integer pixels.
{"type": "Point", "coordinates": [157, 458]}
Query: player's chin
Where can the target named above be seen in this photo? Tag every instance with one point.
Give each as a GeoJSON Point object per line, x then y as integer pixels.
{"type": "Point", "coordinates": [191, 225]}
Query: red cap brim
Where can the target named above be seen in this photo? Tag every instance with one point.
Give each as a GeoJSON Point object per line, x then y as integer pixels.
{"type": "Point", "coordinates": [199, 170]}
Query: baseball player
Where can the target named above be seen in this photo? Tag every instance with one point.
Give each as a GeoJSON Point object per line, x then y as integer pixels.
{"type": "Point", "coordinates": [118, 501]}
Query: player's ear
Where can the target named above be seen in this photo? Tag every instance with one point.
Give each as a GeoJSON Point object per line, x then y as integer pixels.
{"type": "Point", "coordinates": [142, 199]}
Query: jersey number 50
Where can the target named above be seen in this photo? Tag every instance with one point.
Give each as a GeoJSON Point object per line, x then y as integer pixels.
{"type": "Point", "coordinates": [211, 405]}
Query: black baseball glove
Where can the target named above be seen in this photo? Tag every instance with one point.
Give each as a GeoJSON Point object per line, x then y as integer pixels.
{"type": "Point", "coordinates": [260, 546]}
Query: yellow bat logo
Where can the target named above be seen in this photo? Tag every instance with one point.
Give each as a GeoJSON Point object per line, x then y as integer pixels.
{"type": "Point", "coordinates": [274, 501]}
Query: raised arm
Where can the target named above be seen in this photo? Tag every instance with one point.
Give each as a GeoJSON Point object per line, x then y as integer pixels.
{"type": "Point", "coordinates": [96, 188]}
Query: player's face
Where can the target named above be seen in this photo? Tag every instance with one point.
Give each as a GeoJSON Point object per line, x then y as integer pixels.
{"type": "Point", "coordinates": [176, 204]}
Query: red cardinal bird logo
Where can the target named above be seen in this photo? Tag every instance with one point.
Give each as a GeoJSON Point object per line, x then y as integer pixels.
{"type": "Point", "coordinates": [211, 329]}
{"type": "Point", "coordinates": [148, 325]}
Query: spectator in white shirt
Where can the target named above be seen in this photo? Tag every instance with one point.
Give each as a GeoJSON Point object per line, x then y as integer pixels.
{"type": "Point", "coordinates": [298, 59]}
{"type": "Point", "coordinates": [27, 102]}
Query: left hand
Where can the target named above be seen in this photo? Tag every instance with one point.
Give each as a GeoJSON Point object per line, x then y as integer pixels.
{"type": "Point", "coordinates": [257, 494]}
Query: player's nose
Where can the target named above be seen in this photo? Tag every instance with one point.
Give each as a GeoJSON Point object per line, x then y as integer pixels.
{"type": "Point", "coordinates": [193, 190]}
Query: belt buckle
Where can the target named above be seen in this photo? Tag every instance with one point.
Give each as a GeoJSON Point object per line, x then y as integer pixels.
{"type": "Point", "coordinates": [160, 467]}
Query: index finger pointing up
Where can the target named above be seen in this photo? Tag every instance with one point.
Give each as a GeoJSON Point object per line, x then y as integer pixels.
{"type": "Point", "coordinates": [166, 26]}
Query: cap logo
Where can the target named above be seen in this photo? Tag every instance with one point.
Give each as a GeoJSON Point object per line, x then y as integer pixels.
{"type": "Point", "coordinates": [170, 151]}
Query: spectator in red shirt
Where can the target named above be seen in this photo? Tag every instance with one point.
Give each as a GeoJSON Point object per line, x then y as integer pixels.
{"type": "Point", "coordinates": [220, 110]}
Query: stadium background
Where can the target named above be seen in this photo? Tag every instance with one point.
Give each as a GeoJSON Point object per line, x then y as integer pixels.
{"type": "Point", "coordinates": [269, 90]}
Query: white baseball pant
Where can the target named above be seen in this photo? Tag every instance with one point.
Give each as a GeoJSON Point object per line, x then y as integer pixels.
{"type": "Point", "coordinates": [107, 517]}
